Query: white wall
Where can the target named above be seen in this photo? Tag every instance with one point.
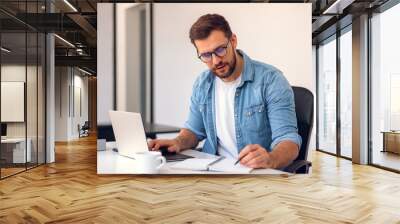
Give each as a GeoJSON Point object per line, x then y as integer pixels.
{"type": "Point", "coordinates": [12, 99]}
{"type": "Point", "coordinates": [33, 127]}
{"type": "Point", "coordinates": [16, 73]}
{"type": "Point", "coordinates": [61, 114]}
{"type": "Point", "coordinates": [132, 59]}
{"type": "Point", "coordinates": [277, 34]}
{"type": "Point", "coordinates": [81, 108]}
{"type": "Point", "coordinates": [128, 57]}
{"type": "Point", "coordinates": [105, 62]}
{"type": "Point", "coordinates": [71, 87]}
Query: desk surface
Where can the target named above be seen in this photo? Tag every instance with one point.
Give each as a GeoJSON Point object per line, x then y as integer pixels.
{"type": "Point", "coordinates": [391, 132]}
{"type": "Point", "coordinates": [14, 140]}
{"type": "Point", "coordinates": [110, 162]}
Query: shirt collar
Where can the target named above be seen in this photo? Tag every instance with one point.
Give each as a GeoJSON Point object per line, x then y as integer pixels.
{"type": "Point", "coordinates": [247, 72]}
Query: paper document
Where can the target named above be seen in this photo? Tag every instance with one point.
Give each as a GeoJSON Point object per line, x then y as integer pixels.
{"type": "Point", "coordinates": [215, 164]}
{"type": "Point", "coordinates": [194, 164]}
{"type": "Point", "coordinates": [228, 165]}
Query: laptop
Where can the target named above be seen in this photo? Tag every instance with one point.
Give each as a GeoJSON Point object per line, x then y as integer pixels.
{"type": "Point", "coordinates": [129, 133]}
{"type": "Point", "coordinates": [131, 138]}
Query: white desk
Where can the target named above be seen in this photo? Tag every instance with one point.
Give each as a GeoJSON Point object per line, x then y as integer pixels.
{"type": "Point", "coordinates": [19, 155]}
{"type": "Point", "coordinates": [110, 162]}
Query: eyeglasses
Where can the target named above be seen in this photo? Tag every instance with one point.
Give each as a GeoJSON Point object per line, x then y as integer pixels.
{"type": "Point", "coordinates": [220, 52]}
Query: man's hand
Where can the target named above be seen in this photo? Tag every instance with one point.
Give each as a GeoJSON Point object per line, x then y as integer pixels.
{"type": "Point", "coordinates": [255, 156]}
{"type": "Point", "coordinates": [185, 140]}
{"type": "Point", "coordinates": [171, 144]}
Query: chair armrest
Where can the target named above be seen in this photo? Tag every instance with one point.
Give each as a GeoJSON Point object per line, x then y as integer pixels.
{"type": "Point", "coordinates": [297, 165]}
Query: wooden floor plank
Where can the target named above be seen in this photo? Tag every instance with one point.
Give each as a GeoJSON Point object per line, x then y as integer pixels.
{"type": "Point", "coordinates": [70, 191]}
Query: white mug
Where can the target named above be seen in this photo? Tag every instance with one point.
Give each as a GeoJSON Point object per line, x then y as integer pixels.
{"type": "Point", "coordinates": [149, 162]}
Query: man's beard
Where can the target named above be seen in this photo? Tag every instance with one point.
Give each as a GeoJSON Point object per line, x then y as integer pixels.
{"type": "Point", "coordinates": [229, 72]}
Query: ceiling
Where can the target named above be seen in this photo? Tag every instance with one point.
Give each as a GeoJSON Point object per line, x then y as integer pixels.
{"type": "Point", "coordinates": [75, 22]}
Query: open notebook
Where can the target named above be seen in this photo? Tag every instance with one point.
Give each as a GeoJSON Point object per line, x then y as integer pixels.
{"type": "Point", "coordinates": [216, 164]}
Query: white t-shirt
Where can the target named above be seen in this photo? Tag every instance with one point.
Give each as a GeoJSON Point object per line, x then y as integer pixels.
{"type": "Point", "coordinates": [224, 117]}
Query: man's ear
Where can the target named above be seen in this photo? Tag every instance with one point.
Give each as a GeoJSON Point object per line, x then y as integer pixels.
{"type": "Point", "coordinates": [194, 45]}
{"type": "Point", "coordinates": [234, 40]}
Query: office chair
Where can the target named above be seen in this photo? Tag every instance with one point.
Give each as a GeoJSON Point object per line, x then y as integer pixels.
{"type": "Point", "coordinates": [304, 104]}
{"type": "Point", "coordinates": [84, 130]}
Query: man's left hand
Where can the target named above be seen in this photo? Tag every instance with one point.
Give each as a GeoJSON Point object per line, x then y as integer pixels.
{"type": "Point", "coordinates": [255, 156]}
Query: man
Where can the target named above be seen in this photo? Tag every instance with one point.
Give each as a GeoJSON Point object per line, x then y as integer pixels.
{"type": "Point", "coordinates": [244, 109]}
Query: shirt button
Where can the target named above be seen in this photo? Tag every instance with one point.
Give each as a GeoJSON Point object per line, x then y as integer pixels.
{"type": "Point", "coordinates": [237, 94]}
{"type": "Point", "coordinates": [235, 115]}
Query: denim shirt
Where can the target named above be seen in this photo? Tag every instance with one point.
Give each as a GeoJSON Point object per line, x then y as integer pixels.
{"type": "Point", "coordinates": [263, 109]}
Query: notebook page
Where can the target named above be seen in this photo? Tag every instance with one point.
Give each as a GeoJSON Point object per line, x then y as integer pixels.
{"type": "Point", "coordinates": [194, 164]}
{"type": "Point", "coordinates": [228, 165]}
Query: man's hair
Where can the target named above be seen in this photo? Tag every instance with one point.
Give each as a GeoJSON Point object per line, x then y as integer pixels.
{"type": "Point", "coordinates": [202, 28]}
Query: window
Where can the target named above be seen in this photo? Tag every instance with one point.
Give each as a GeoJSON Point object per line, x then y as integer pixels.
{"type": "Point", "coordinates": [385, 88]}
{"type": "Point", "coordinates": [346, 93]}
{"type": "Point", "coordinates": [327, 96]}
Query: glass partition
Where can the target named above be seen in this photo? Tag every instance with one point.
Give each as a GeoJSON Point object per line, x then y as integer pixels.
{"type": "Point", "coordinates": [385, 89]}
{"type": "Point", "coordinates": [14, 153]}
{"type": "Point", "coordinates": [22, 77]}
{"type": "Point", "coordinates": [346, 93]}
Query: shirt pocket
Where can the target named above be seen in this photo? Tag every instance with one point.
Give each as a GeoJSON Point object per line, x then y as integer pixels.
{"type": "Point", "coordinates": [202, 107]}
{"type": "Point", "coordinates": [203, 111]}
{"type": "Point", "coordinates": [254, 118]}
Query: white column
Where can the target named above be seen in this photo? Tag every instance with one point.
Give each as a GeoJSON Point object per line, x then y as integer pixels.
{"type": "Point", "coordinates": [105, 62]}
{"type": "Point", "coordinates": [360, 90]}
{"type": "Point", "coordinates": [50, 99]}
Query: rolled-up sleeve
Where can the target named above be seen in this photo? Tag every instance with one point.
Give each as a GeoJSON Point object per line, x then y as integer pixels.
{"type": "Point", "coordinates": [195, 119]}
{"type": "Point", "coordinates": [281, 110]}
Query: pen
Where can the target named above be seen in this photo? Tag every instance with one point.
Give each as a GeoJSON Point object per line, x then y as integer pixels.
{"type": "Point", "coordinates": [238, 160]}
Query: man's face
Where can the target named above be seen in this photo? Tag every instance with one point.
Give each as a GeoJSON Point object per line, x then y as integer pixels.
{"type": "Point", "coordinates": [221, 66]}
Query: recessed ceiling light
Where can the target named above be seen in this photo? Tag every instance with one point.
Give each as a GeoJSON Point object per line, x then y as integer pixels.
{"type": "Point", "coordinates": [70, 5]}
{"type": "Point", "coordinates": [338, 6]}
{"type": "Point", "coordinates": [5, 50]}
{"type": "Point", "coordinates": [84, 71]}
{"type": "Point", "coordinates": [64, 40]}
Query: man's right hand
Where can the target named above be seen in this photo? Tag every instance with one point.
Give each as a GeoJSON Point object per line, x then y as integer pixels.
{"type": "Point", "coordinates": [171, 144]}
{"type": "Point", "coordinates": [185, 140]}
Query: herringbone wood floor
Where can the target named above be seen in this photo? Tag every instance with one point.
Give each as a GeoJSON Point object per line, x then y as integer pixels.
{"type": "Point", "coordinates": [70, 191]}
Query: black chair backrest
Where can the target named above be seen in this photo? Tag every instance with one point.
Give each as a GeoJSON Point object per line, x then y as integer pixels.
{"type": "Point", "coordinates": [86, 125]}
{"type": "Point", "coordinates": [304, 104]}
